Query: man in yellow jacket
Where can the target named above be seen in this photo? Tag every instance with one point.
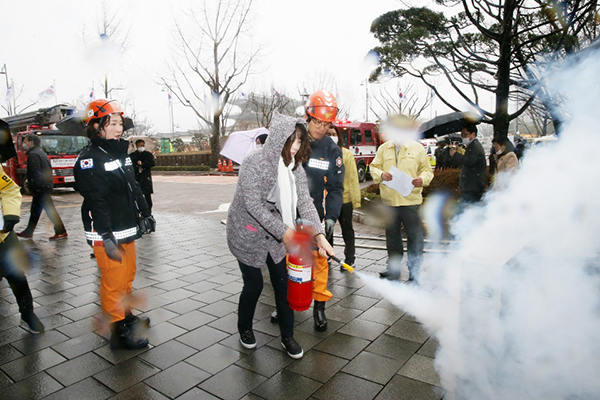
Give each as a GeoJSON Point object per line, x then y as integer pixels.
{"type": "Point", "coordinates": [351, 199]}
{"type": "Point", "coordinates": [13, 259]}
{"type": "Point", "coordinates": [406, 154]}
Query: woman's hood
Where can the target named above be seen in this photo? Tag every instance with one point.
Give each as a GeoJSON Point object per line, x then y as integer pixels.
{"type": "Point", "coordinates": [282, 126]}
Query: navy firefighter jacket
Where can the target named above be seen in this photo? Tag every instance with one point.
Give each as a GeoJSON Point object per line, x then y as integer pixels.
{"type": "Point", "coordinates": [325, 171]}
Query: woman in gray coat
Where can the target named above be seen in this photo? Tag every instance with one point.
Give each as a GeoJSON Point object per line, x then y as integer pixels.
{"type": "Point", "coordinates": [271, 187]}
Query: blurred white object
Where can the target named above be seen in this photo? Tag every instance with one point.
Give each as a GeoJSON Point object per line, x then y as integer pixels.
{"type": "Point", "coordinates": [240, 143]}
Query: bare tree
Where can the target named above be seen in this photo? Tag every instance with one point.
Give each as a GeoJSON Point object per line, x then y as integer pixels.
{"type": "Point", "coordinates": [114, 34]}
{"type": "Point", "coordinates": [13, 107]}
{"type": "Point", "coordinates": [211, 54]}
{"type": "Point", "coordinates": [404, 99]}
{"type": "Point", "coordinates": [142, 126]}
{"type": "Point", "coordinates": [263, 106]}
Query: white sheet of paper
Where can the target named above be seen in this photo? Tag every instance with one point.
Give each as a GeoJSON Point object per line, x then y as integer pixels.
{"type": "Point", "coordinates": [401, 182]}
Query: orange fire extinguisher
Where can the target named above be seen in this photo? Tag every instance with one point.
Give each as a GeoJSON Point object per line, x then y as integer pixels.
{"type": "Point", "coordinates": [300, 272]}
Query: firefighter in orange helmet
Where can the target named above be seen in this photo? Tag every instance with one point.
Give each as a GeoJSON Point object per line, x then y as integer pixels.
{"type": "Point", "coordinates": [115, 214]}
{"type": "Point", "coordinates": [325, 173]}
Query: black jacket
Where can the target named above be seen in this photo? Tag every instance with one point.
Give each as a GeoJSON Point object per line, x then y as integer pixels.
{"type": "Point", "coordinates": [143, 174]}
{"type": "Point", "coordinates": [326, 162]}
{"type": "Point", "coordinates": [472, 172]}
{"type": "Point", "coordinates": [39, 170]}
{"type": "Point", "coordinates": [111, 196]}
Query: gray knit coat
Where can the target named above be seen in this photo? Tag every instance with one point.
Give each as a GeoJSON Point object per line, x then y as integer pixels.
{"type": "Point", "coordinates": [254, 226]}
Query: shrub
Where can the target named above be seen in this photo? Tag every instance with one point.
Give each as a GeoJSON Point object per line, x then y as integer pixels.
{"type": "Point", "coordinates": [444, 180]}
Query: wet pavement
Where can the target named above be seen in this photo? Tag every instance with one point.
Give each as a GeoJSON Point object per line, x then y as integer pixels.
{"type": "Point", "coordinates": [191, 284]}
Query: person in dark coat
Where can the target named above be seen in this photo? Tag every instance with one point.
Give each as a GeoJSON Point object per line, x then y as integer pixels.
{"type": "Point", "coordinates": [143, 161]}
{"type": "Point", "coordinates": [472, 172]}
{"type": "Point", "coordinates": [114, 214]}
{"type": "Point", "coordinates": [519, 149]}
{"type": "Point", "coordinates": [39, 177]}
{"type": "Point", "coordinates": [325, 173]}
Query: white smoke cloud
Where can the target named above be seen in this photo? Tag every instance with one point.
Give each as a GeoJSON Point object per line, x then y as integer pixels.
{"type": "Point", "coordinates": [516, 307]}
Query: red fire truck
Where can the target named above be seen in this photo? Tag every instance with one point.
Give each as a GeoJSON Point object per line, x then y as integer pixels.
{"type": "Point", "coordinates": [62, 149]}
{"type": "Point", "coordinates": [362, 139]}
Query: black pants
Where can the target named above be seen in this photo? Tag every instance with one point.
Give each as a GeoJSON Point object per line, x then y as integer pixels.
{"type": "Point", "coordinates": [13, 261]}
{"type": "Point", "coordinates": [407, 216]}
{"type": "Point", "coordinates": [348, 232]}
{"type": "Point", "coordinates": [253, 285]}
{"type": "Point", "coordinates": [148, 197]}
{"type": "Point", "coordinates": [467, 199]}
{"type": "Point", "coordinates": [43, 201]}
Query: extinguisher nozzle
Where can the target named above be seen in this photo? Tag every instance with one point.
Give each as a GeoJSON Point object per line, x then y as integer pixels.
{"type": "Point", "coordinates": [346, 266]}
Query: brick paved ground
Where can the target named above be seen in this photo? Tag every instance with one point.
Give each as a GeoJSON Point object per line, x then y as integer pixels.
{"type": "Point", "coordinates": [191, 282]}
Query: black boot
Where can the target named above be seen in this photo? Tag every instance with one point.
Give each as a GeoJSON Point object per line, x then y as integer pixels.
{"type": "Point", "coordinates": [20, 288]}
{"type": "Point", "coordinates": [319, 316]}
{"type": "Point", "coordinates": [123, 337]}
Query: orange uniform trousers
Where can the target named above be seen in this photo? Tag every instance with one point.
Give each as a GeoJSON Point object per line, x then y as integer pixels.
{"type": "Point", "coordinates": [115, 281]}
{"type": "Point", "coordinates": [321, 275]}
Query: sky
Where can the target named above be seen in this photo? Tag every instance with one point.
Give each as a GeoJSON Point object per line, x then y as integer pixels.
{"type": "Point", "coordinates": [42, 44]}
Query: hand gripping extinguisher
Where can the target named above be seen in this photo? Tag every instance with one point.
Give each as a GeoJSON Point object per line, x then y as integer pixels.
{"type": "Point", "coordinates": [300, 272]}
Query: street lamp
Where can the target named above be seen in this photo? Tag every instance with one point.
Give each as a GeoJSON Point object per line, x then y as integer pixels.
{"type": "Point", "coordinates": [366, 85]}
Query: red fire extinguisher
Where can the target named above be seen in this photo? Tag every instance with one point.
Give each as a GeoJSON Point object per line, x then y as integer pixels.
{"type": "Point", "coordinates": [300, 273]}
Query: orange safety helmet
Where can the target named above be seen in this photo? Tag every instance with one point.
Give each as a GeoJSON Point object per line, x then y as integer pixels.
{"type": "Point", "coordinates": [101, 108]}
{"type": "Point", "coordinates": [322, 106]}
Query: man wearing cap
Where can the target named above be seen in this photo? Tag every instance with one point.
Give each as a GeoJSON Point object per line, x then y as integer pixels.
{"type": "Point", "coordinates": [401, 150]}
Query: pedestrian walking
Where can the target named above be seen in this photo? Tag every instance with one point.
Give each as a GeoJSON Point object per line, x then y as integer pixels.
{"type": "Point", "coordinates": [115, 214]}
{"type": "Point", "coordinates": [472, 162]}
{"type": "Point", "coordinates": [408, 156]}
{"type": "Point", "coordinates": [325, 172]}
{"type": "Point", "coordinates": [13, 258]}
{"type": "Point", "coordinates": [271, 188]}
{"type": "Point", "coordinates": [143, 161]}
{"type": "Point", "coordinates": [351, 199]}
{"type": "Point", "coordinates": [39, 181]}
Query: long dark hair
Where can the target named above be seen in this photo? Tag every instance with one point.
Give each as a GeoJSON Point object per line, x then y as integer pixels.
{"type": "Point", "coordinates": [91, 132]}
{"type": "Point", "coordinates": [303, 153]}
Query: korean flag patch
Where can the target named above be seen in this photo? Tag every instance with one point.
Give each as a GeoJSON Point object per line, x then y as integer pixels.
{"type": "Point", "coordinates": [88, 163]}
{"type": "Point", "coordinates": [339, 162]}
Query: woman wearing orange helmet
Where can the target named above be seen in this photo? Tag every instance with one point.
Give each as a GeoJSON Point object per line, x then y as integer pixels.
{"type": "Point", "coordinates": [114, 214]}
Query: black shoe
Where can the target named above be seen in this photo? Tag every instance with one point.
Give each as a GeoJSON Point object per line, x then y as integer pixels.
{"type": "Point", "coordinates": [292, 347]}
{"type": "Point", "coordinates": [412, 282]}
{"type": "Point", "coordinates": [389, 275]}
{"type": "Point", "coordinates": [319, 316]}
{"type": "Point", "coordinates": [31, 323]}
{"type": "Point", "coordinates": [247, 339]}
{"type": "Point", "coordinates": [274, 317]}
{"type": "Point", "coordinates": [123, 337]}
{"type": "Point", "coordinates": [92, 256]}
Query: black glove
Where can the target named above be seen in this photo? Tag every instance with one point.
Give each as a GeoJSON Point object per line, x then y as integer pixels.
{"type": "Point", "coordinates": [112, 250]}
{"type": "Point", "coordinates": [329, 225]}
{"type": "Point", "coordinates": [9, 223]}
{"type": "Point", "coordinates": [147, 225]}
